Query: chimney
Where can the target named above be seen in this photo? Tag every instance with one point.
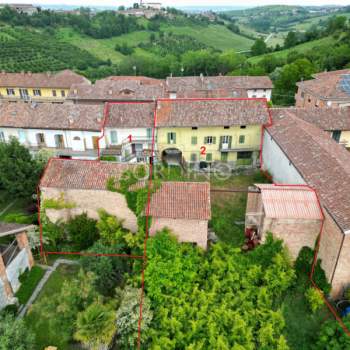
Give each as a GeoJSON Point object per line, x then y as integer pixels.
{"type": "Point", "coordinates": [75, 92]}
{"type": "Point", "coordinates": [110, 92]}
{"type": "Point", "coordinates": [202, 77]}
{"type": "Point", "coordinates": [99, 118]}
{"type": "Point", "coordinates": [30, 73]}
{"type": "Point", "coordinates": [70, 120]}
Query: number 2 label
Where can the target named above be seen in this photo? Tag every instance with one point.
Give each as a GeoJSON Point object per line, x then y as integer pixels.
{"type": "Point", "coordinates": [203, 151]}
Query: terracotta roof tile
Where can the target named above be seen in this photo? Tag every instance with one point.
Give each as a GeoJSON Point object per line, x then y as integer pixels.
{"type": "Point", "coordinates": [63, 79]}
{"type": "Point", "coordinates": [185, 85]}
{"type": "Point", "coordinates": [327, 85]}
{"type": "Point", "coordinates": [82, 174]}
{"type": "Point", "coordinates": [324, 164]}
{"type": "Point", "coordinates": [328, 119]}
{"type": "Point", "coordinates": [51, 116]}
{"type": "Point", "coordinates": [182, 200]}
{"type": "Point", "coordinates": [131, 115]}
{"type": "Point", "coordinates": [188, 113]}
{"type": "Point", "coordinates": [121, 89]}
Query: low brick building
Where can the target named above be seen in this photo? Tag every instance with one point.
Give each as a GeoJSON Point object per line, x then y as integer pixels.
{"type": "Point", "coordinates": [82, 186]}
{"type": "Point", "coordinates": [291, 213]}
{"type": "Point", "coordinates": [297, 152]}
{"type": "Point", "coordinates": [184, 208]}
{"type": "Point", "coordinates": [327, 89]}
{"type": "Point", "coordinates": [15, 258]}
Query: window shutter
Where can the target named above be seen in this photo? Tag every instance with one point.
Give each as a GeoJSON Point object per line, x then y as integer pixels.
{"type": "Point", "coordinates": [168, 137]}
{"type": "Point", "coordinates": [214, 140]}
{"type": "Point", "coordinates": [205, 140]}
{"type": "Point", "coordinates": [229, 141]}
{"type": "Point", "coordinates": [174, 137]}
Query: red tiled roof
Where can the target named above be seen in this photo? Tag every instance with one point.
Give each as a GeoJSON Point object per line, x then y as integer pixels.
{"type": "Point", "coordinates": [82, 174]}
{"type": "Point", "coordinates": [119, 89]}
{"type": "Point", "coordinates": [328, 119]}
{"type": "Point", "coordinates": [189, 113]}
{"type": "Point", "coordinates": [131, 115]}
{"type": "Point", "coordinates": [63, 79]}
{"type": "Point", "coordinates": [287, 202]}
{"type": "Point", "coordinates": [182, 200]}
{"type": "Point", "coordinates": [51, 116]}
{"type": "Point", "coordinates": [326, 85]}
{"type": "Point", "coordinates": [228, 83]}
{"type": "Point", "coordinates": [323, 164]}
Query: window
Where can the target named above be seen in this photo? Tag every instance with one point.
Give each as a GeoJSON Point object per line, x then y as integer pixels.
{"type": "Point", "coordinates": [149, 133]}
{"type": "Point", "coordinates": [171, 138]}
{"type": "Point", "coordinates": [54, 93]}
{"type": "Point", "coordinates": [193, 157]}
{"type": "Point", "coordinates": [36, 92]}
{"type": "Point", "coordinates": [336, 135]}
{"type": "Point", "coordinates": [224, 156]}
{"type": "Point", "coordinates": [210, 140]}
{"type": "Point", "coordinates": [254, 96]}
{"type": "Point", "coordinates": [114, 136]}
{"type": "Point", "coordinates": [241, 139]}
{"type": "Point", "coordinates": [63, 93]}
{"type": "Point", "coordinates": [209, 157]}
{"type": "Point", "coordinates": [10, 92]}
{"type": "Point", "coordinates": [244, 155]}
{"type": "Point", "coordinates": [2, 136]}
{"type": "Point", "coordinates": [194, 128]}
{"type": "Point", "coordinates": [243, 126]}
{"type": "Point", "coordinates": [194, 140]}
{"type": "Point", "coordinates": [76, 138]}
{"type": "Point", "coordinates": [40, 137]}
{"type": "Point", "coordinates": [21, 136]}
{"type": "Point", "coordinates": [225, 139]}
{"type": "Point", "coordinates": [226, 127]}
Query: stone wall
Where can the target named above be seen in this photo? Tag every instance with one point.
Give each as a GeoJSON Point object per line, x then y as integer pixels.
{"type": "Point", "coordinates": [194, 231]}
{"type": "Point", "coordinates": [295, 233]}
{"type": "Point", "coordinates": [90, 201]}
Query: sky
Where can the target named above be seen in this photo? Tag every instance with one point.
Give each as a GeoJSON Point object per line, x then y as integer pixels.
{"type": "Point", "coordinates": [184, 2]}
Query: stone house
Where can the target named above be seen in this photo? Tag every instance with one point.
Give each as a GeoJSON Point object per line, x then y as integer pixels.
{"type": "Point", "coordinates": [291, 213]}
{"type": "Point", "coordinates": [297, 152]}
{"type": "Point", "coordinates": [184, 208]}
{"type": "Point", "coordinates": [15, 258]}
{"type": "Point", "coordinates": [82, 186]}
{"type": "Point", "coordinates": [327, 89]}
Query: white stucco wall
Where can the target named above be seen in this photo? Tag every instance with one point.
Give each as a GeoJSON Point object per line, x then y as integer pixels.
{"type": "Point", "coordinates": [123, 134]}
{"type": "Point", "coordinates": [16, 268]}
{"type": "Point", "coordinates": [260, 93]}
{"type": "Point", "coordinates": [277, 163]}
{"type": "Point", "coordinates": [29, 137]}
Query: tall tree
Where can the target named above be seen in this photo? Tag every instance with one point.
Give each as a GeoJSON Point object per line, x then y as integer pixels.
{"type": "Point", "coordinates": [19, 172]}
{"type": "Point", "coordinates": [259, 47]}
{"type": "Point", "coordinates": [291, 40]}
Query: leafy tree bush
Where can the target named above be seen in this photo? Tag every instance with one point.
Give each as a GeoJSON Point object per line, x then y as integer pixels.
{"type": "Point", "coordinates": [108, 271]}
{"type": "Point", "coordinates": [314, 299]}
{"type": "Point", "coordinates": [128, 315]}
{"type": "Point", "coordinates": [82, 231]}
{"type": "Point", "coordinates": [303, 265]}
{"type": "Point", "coordinates": [96, 326]}
{"type": "Point", "coordinates": [332, 336]}
{"type": "Point", "coordinates": [259, 47]}
{"type": "Point", "coordinates": [14, 334]}
{"type": "Point", "coordinates": [220, 301]}
{"type": "Point", "coordinates": [19, 172]}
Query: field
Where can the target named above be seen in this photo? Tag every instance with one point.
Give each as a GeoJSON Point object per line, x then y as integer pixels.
{"type": "Point", "coordinates": [302, 48]}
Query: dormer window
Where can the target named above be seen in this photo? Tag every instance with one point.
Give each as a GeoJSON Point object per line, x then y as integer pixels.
{"type": "Point", "coordinates": [194, 128]}
{"type": "Point", "coordinates": [127, 92]}
{"type": "Point", "coordinates": [243, 127]}
{"type": "Point", "coordinates": [226, 127]}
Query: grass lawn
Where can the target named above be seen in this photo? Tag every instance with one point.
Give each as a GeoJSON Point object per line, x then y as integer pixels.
{"type": "Point", "coordinates": [45, 336]}
{"type": "Point", "coordinates": [327, 41]}
{"type": "Point", "coordinates": [29, 281]}
{"type": "Point", "coordinates": [302, 326]}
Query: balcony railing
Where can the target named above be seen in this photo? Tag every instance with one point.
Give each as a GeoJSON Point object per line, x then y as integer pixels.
{"type": "Point", "coordinates": [225, 147]}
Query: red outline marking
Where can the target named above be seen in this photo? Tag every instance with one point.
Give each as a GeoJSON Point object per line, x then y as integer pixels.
{"type": "Point", "coordinates": [330, 307]}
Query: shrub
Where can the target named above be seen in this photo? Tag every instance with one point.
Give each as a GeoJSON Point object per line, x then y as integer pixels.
{"type": "Point", "coordinates": [303, 265]}
{"type": "Point", "coordinates": [314, 299]}
{"type": "Point", "coordinates": [82, 231]}
{"type": "Point", "coordinates": [58, 204]}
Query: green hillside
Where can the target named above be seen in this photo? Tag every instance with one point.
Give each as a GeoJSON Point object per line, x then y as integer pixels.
{"type": "Point", "coordinates": [302, 48]}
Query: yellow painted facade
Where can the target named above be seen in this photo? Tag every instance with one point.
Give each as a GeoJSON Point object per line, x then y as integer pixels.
{"type": "Point", "coordinates": [191, 142]}
{"type": "Point", "coordinates": [345, 138]}
{"type": "Point", "coordinates": [40, 94]}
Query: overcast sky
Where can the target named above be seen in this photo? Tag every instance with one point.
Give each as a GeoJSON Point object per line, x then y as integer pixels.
{"type": "Point", "coordinates": [185, 2]}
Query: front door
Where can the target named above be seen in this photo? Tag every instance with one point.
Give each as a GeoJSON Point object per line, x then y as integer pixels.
{"type": "Point", "coordinates": [59, 142]}
{"type": "Point", "coordinates": [95, 141]}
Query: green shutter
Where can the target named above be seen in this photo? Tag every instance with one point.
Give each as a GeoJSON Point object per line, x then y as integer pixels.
{"type": "Point", "coordinates": [194, 140]}
{"type": "Point", "coordinates": [214, 140]}
{"type": "Point", "coordinates": [209, 157]}
{"type": "Point", "coordinates": [229, 141]}
{"type": "Point", "coordinates": [174, 137]}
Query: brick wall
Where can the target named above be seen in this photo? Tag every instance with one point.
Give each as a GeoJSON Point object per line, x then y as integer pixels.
{"type": "Point", "coordinates": [90, 201]}
{"type": "Point", "coordinates": [23, 243]}
{"type": "Point", "coordinates": [194, 231]}
{"type": "Point", "coordinates": [295, 233]}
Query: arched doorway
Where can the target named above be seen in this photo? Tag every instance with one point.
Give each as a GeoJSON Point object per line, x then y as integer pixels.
{"type": "Point", "coordinates": [172, 156]}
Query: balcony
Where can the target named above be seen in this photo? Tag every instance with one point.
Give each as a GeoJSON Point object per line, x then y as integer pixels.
{"type": "Point", "coordinates": [225, 147]}
{"type": "Point", "coordinates": [66, 152]}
